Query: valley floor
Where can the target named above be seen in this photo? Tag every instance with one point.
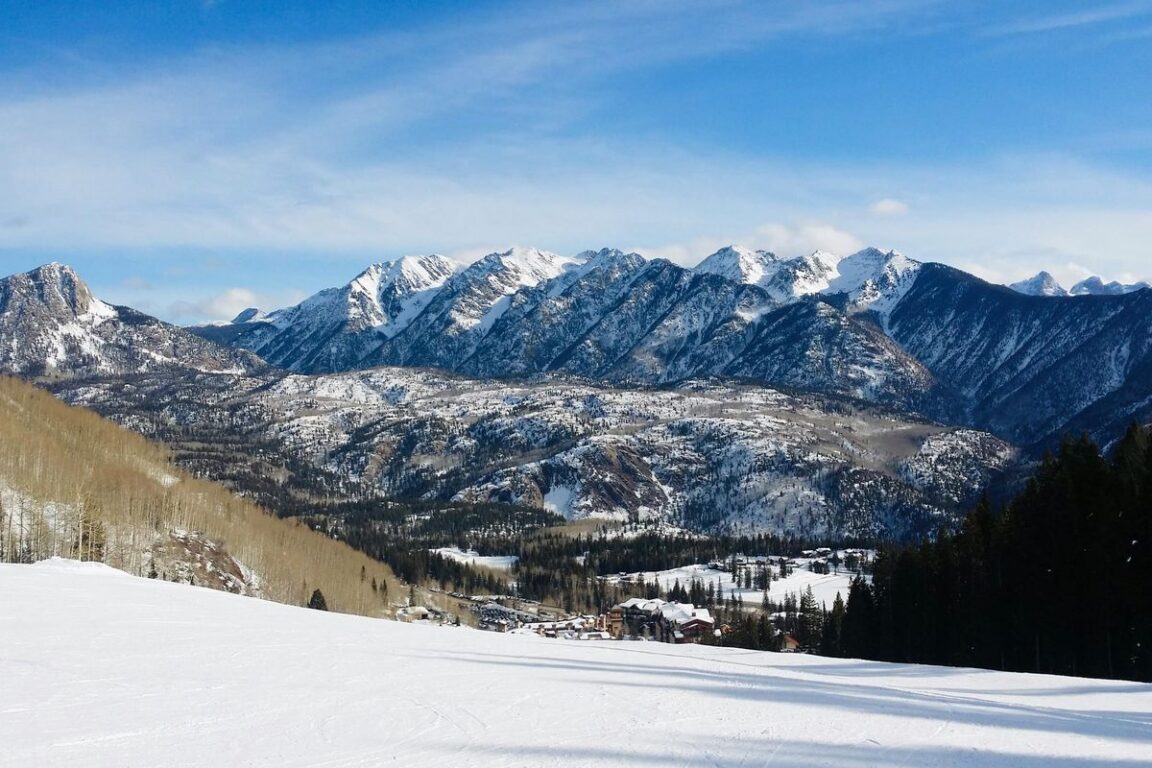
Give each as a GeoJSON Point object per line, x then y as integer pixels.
{"type": "Point", "coordinates": [98, 669]}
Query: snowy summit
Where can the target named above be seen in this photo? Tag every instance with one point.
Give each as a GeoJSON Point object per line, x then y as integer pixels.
{"type": "Point", "coordinates": [1042, 284]}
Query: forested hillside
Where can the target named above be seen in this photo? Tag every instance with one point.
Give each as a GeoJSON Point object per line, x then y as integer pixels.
{"type": "Point", "coordinates": [75, 485]}
{"type": "Point", "coordinates": [1060, 582]}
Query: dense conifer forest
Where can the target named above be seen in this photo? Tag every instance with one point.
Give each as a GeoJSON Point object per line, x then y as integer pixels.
{"type": "Point", "coordinates": [1059, 581]}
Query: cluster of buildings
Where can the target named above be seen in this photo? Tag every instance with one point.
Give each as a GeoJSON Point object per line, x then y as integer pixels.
{"type": "Point", "coordinates": [637, 618]}
{"type": "Point", "coordinates": [666, 622]}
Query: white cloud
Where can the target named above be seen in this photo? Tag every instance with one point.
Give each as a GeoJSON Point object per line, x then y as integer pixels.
{"type": "Point", "coordinates": [785, 240]}
{"type": "Point", "coordinates": [216, 154]}
{"type": "Point", "coordinates": [1022, 266]}
{"type": "Point", "coordinates": [1084, 17]}
{"type": "Point", "coordinates": [226, 305]}
{"type": "Point", "coordinates": [888, 206]}
{"type": "Point", "coordinates": [805, 238]}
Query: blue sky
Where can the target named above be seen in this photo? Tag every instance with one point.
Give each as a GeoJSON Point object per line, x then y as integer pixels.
{"type": "Point", "coordinates": [190, 158]}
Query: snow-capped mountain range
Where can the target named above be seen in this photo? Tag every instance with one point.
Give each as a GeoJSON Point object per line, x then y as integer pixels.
{"type": "Point", "coordinates": [874, 325]}
{"type": "Point", "coordinates": [591, 412]}
{"type": "Point", "coordinates": [1043, 284]}
{"type": "Point", "coordinates": [818, 322]}
{"type": "Point", "coordinates": [609, 315]}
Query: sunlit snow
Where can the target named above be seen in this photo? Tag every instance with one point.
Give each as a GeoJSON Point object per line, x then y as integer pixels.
{"type": "Point", "coordinates": [101, 669]}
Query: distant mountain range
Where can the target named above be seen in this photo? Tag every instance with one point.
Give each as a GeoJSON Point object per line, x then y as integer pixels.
{"type": "Point", "coordinates": [1025, 362]}
{"type": "Point", "coordinates": [874, 325]}
{"type": "Point", "coordinates": [1043, 284]}
{"type": "Point", "coordinates": [874, 334]}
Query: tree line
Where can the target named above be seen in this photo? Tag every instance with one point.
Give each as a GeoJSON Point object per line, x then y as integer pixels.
{"type": "Point", "coordinates": [1059, 581]}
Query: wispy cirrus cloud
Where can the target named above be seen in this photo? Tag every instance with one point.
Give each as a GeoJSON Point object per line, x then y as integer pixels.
{"type": "Point", "coordinates": [1082, 17]}
{"type": "Point", "coordinates": [533, 128]}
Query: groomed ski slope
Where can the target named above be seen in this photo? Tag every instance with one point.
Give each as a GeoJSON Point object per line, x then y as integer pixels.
{"type": "Point", "coordinates": [98, 669]}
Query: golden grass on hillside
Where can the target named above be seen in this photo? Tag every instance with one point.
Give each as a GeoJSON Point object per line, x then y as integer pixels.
{"type": "Point", "coordinates": [76, 485]}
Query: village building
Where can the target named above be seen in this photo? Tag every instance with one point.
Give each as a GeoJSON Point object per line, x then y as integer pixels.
{"type": "Point", "coordinates": [660, 620]}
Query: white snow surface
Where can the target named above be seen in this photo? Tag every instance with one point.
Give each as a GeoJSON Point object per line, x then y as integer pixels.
{"type": "Point", "coordinates": [740, 264]}
{"type": "Point", "coordinates": [871, 278]}
{"type": "Point", "coordinates": [1041, 284]}
{"type": "Point", "coordinates": [471, 557]}
{"type": "Point", "coordinates": [101, 671]}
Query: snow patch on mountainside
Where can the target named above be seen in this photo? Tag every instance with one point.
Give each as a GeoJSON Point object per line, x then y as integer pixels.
{"type": "Point", "coordinates": [871, 278]}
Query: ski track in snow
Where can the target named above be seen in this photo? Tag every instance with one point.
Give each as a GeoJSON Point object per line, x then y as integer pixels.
{"type": "Point", "coordinates": [103, 669]}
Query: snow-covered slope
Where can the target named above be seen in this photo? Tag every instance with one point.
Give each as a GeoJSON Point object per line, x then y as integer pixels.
{"type": "Point", "coordinates": [51, 324]}
{"type": "Point", "coordinates": [871, 278]}
{"type": "Point", "coordinates": [338, 327]}
{"type": "Point", "coordinates": [1041, 284]}
{"type": "Point", "coordinates": [1025, 366]}
{"type": "Point", "coordinates": [101, 669]}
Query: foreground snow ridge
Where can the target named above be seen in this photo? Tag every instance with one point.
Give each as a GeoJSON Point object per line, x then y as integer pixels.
{"type": "Point", "coordinates": [100, 671]}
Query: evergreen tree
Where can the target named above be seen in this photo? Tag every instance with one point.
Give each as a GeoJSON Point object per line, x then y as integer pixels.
{"type": "Point", "coordinates": [830, 640]}
{"type": "Point", "coordinates": [317, 601]}
{"type": "Point", "coordinates": [810, 621]}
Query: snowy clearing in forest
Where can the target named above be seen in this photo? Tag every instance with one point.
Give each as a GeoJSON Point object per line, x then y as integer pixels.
{"type": "Point", "coordinates": [825, 586]}
{"type": "Point", "coordinates": [470, 557]}
{"type": "Point", "coordinates": [104, 669]}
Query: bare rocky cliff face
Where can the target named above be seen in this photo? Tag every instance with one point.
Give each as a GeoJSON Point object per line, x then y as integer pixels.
{"type": "Point", "coordinates": [52, 325]}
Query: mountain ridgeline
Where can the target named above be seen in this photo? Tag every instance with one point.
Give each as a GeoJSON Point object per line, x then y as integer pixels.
{"type": "Point", "coordinates": [52, 325]}
{"type": "Point", "coordinates": [817, 395]}
{"type": "Point", "coordinates": [1027, 363]}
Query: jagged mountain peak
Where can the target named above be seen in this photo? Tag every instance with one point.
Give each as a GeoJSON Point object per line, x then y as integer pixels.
{"type": "Point", "coordinates": [379, 297]}
{"type": "Point", "coordinates": [1041, 284]}
{"type": "Point", "coordinates": [414, 272]}
{"type": "Point", "coordinates": [743, 265]}
{"type": "Point", "coordinates": [603, 253]}
{"type": "Point", "coordinates": [528, 266]}
{"type": "Point", "coordinates": [608, 258]}
{"type": "Point", "coordinates": [51, 323]}
{"type": "Point", "coordinates": [53, 269]}
{"type": "Point", "coordinates": [874, 279]}
{"type": "Point", "coordinates": [60, 290]}
{"type": "Point", "coordinates": [1094, 286]}
{"type": "Point", "coordinates": [250, 315]}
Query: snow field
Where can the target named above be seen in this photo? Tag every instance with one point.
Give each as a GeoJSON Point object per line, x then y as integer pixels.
{"type": "Point", "coordinates": [470, 557]}
{"type": "Point", "coordinates": [824, 586]}
{"type": "Point", "coordinates": [103, 669]}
